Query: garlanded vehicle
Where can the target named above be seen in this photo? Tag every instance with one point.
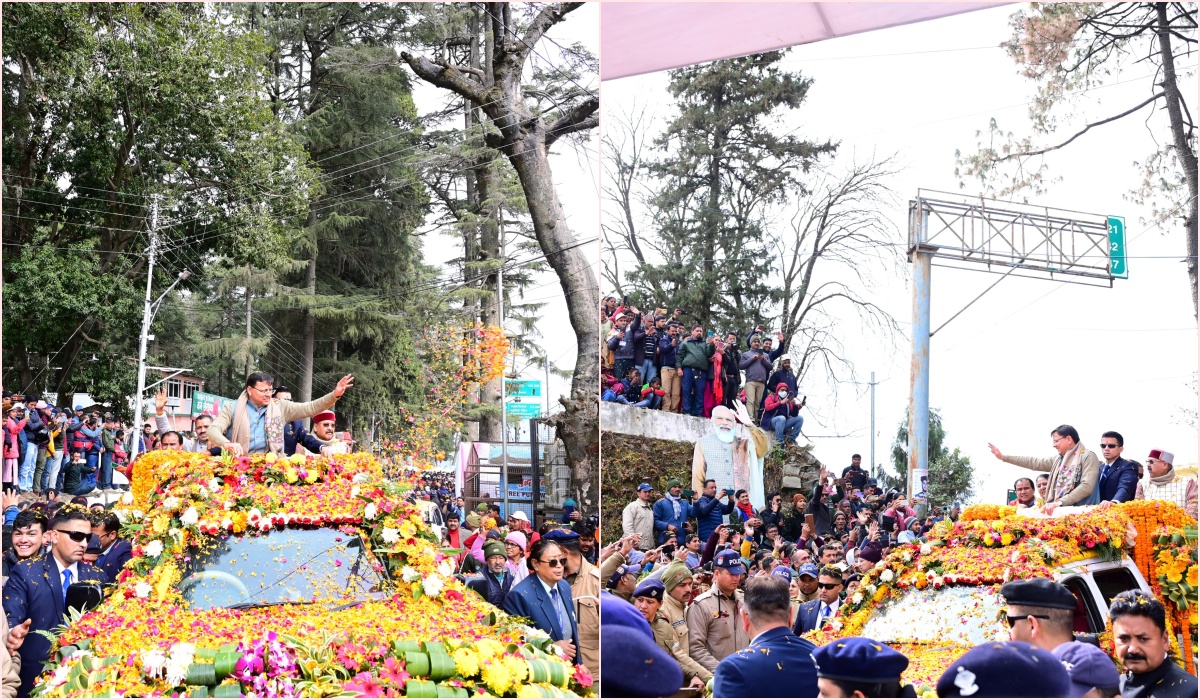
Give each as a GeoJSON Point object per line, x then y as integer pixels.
{"type": "Point", "coordinates": [303, 576]}
{"type": "Point", "coordinates": [935, 600]}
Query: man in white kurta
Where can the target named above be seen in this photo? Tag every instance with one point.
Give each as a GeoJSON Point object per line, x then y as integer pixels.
{"type": "Point", "coordinates": [728, 458]}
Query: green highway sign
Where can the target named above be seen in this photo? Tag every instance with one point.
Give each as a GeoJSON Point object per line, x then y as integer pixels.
{"type": "Point", "coordinates": [1117, 265]}
{"type": "Point", "coordinates": [524, 410]}
{"type": "Point", "coordinates": [523, 387]}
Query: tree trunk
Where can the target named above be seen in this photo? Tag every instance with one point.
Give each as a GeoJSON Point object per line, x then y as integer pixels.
{"type": "Point", "coordinates": [1187, 157]}
{"type": "Point", "coordinates": [488, 190]}
{"type": "Point", "coordinates": [308, 332]}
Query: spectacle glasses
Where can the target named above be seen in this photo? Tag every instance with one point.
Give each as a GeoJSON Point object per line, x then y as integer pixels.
{"type": "Point", "coordinates": [554, 563]}
{"type": "Point", "coordinates": [828, 586]}
{"type": "Point", "coordinates": [1108, 446]}
{"type": "Point", "coordinates": [1012, 620]}
{"type": "Point", "coordinates": [75, 535]}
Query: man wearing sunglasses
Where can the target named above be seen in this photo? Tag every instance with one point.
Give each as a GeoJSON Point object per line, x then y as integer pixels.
{"type": "Point", "coordinates": [817, 613]}
{"type": "Point", "coordinates": [1118, 476]}
{"type": "Point", "coordinates": [35, 595]}
{"type": "Point", "coordinates": [1040, 612]}
{"type": "Point", "coordinates": [545, 598]}
{"type": "Point", "coordinates": [254, 423]}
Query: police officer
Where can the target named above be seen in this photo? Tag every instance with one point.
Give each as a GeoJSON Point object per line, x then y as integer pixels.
{"type": "Point", "coordinates": [679, 586]}
{"type": "Point", "coordinates": [623, 581]}
{"type": "Point", "coordinates": [585, 594]}
{"type": "Point", "coordinates": [1040, 612]}
{"type": "Point", "coordinates": [714, 624]}
{"type": "Point", "coordinates": [1005, 670]}
{"type": "Point", "coordinates": [857, 667]}
{"type": "Point", "coordinates": [648, 599]}
{"type": "Point", "coordinates": [634, 666]}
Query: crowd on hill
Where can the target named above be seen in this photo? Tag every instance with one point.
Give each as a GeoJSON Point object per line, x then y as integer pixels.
{"type": "Point", "coordinates": [658, 362]}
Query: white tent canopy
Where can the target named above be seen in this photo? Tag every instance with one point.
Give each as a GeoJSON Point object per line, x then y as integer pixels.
{"type": "Point", "coordinates": [645, 37]}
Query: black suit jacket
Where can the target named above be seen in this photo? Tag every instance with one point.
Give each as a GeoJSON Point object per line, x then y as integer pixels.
{"type": "Point", "coordinates": [806, 616]}
{"type": "Point", "coordinates": [114, 561]}
{"type": "Point", "coordinates": [1120, 483]}
{"type": "Point", "coordinates": [34, 592]}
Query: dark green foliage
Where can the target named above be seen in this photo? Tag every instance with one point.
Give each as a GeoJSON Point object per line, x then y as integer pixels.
{"type": "Point", "coordinates": [951, 475]}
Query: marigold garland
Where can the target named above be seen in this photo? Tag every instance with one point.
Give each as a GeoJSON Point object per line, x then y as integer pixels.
{"type": "Point", "coordinates": [145, 639]}
{"type": "Point", "coordinates": [992, 544]}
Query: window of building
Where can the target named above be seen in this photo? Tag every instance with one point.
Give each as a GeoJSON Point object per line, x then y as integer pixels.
{"type": "Point", "coordinates": [189, 388]}
{"type": "Point", "coordinates": [173, 388]}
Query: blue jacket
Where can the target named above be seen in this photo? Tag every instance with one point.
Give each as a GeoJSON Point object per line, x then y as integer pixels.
{"type": "Point", "coordinates": [806, 616]}
{"type": "Point", "coordinates": [777, 664]}
{"type": "Point", "coordinates": [112, 563]}
{"type": "Point", "coordinates": [529, 599]}
{"type": "Point", "coordinates": [666, 353]}
{"type": "Point", "coordinates": [664, 515]}
{"type": "Point", "coordinates": [709, 512]}
{"type": "Point", "coordinates": [34, 592]}
{"type": "Point", "coordinates": [783, 376]}
{"type": "Point", "coordinates": [295, 434]}
{"type": "Point", "coordinates": [626, 348]}
{"type": "Point", "coordinates": [1120, 484]}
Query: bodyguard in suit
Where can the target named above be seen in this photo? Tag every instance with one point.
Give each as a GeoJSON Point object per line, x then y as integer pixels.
{"type": "Point", "coordinates": [777, 664]}
{"type": "Point", "coordinates": [36, 588]}
{"type": "Point", "coordinates": [114, 551]}
{"type": "Point", "coordinates": [1118, 476]}
{"type": "Point", "coordinates": [813, 614]}
{"type": "Point", "coordinates": [545, 598]}
{"type": "Point", "coordinates": [294, 433]}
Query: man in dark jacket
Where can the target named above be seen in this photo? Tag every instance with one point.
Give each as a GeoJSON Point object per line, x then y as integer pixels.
{"type": "Point", "coordinates": [496, 574]}
{"type": "Point", "coordinates": [821, 511]}
{"type": "Point", "coordinates": [294, 433]}
{"type": "Point", "coordinates": [672, 378]}
{"type": "Point", "coordinates": [114, 551]}
{"type": "Point", "coordinates": [629, 336]}
{"type": "Point", "coordinates": [691, 357]}
{"type": "Point", "coordinates": [1118, 476]}
{"type": "Point", "coordinates": [784, 375]}
{"type": "Point", "coordinates": [709, 510]}
{"type": "Point", "coordinates": [36, 590]}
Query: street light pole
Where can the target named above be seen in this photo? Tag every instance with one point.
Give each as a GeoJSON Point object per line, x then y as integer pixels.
{"type": "Point", "coordinates": [148, 311]}
{"type": "Point", "coordinates": [141, 370]}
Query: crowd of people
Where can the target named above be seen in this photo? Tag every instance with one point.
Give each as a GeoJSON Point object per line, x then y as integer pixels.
{"type": "Point", "coordinates": [717, 579]}
{"type": "Point", "coordinates": [657, 361]}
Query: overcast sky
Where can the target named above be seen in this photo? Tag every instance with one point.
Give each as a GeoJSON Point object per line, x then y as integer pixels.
{"type": "Point", "coordinates": [1031, 354]}
{"type": "Point", "coordinates": [576, 174]}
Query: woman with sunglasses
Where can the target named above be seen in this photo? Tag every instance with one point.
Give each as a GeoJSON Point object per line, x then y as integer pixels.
{"type": "Point", "coordinates": [545, 598]}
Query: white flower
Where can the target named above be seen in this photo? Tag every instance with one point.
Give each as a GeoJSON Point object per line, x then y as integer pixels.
{"type": "Point", "coordinates": [203, 493]}
{"type": "Point", "coordinates": [214, 484]}
{"type": "Point", "coordinates": [857, 598]}
{"type": "Point", "coordinates": [432, 585]}
{"type": "Point", "coordinates": [264, 524]}
{"type": "Point", "coordinates": [176, 533]}
{"type": "Point", "coordinates": [880, 564]}
{"type": "Point", "coordinates": [370, 511]}
{"type": "Point", "coordinates": [937, 580]}
{"type": "Point", "coordinates": [887, 575]}
{"type": "Point", "coordinates": [354, 491]}
{"type": "Point", "coordinates": [253, 515]}
{"type": "Point", "coordinates": [226, 523]}
{"type": "Point", "coordinates": [836, 625]}
{"type": "Point", "coordinates": [181, 657]}
{"type": "Point", "coordinates": [361, 478]}
{"type": "Point", "coordinates": [127, 499]}
{"type": "Point", "coordinates": [1015, 556]}
{"type": "Point", "coordinates": [138, 515]}
{"type": "Point", "coordinates": [446, 568]}
{"type": "Point", "coordinates": [926, 549]}
{"type": "Point", "coordinates": [171, 503]}
{"type": "Point", "coordinates": [190, 516]}
{"type": "Point", "coordinates": [153, 661]}
{"type": "Point", "coordinates": [1007, 574]}
{"type": "Point", "coordinates": [154, 549]}
{"type": "Point", "coordinates": [410, 574]}
{"type": "Point", "coordinates": [906, 556]}
{"type": "Point", "coordinates": [228, 505]}
{"type": "Point", "coordinates": [60, 677]}
{"type": "Point", "coordinates": [390, 535]}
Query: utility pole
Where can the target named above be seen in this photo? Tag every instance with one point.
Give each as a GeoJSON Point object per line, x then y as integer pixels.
{"type": "Point", "coordinates": [874, 469]}
{"type": "Point", "coordinates": [141, 370]}
{"type": "Point", "coordinates": [546, 387]}
{"type": "Point", "coordinates": [503, 385]}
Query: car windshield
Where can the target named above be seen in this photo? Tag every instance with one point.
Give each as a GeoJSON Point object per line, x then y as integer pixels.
{"type": "Point", "coordinates": [290, 565]}
{"type": "Point", "coordinates": [968, 615]}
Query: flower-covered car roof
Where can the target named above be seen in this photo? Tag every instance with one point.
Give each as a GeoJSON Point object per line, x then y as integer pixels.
{"type": "Point", "coordinates": [933, 601]}
{"type": "Point", "coordinates": [418, 632]}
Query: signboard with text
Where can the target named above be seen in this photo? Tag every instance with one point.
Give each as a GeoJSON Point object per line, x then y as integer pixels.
{"type": "Point", "coordinates": [523, 410]}
{"type": "Point", "coordinates": [211, 404]}
{"type": "Point", "coordinates": [523, 387]}
{"type": "Point", "coordinates": [1117, 264]}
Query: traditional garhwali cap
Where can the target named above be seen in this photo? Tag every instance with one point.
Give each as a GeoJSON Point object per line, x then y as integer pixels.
{"type": "Point", "coordinates": [324, 416]}
{"type": "Point", "coordinates": [1163, 455]}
